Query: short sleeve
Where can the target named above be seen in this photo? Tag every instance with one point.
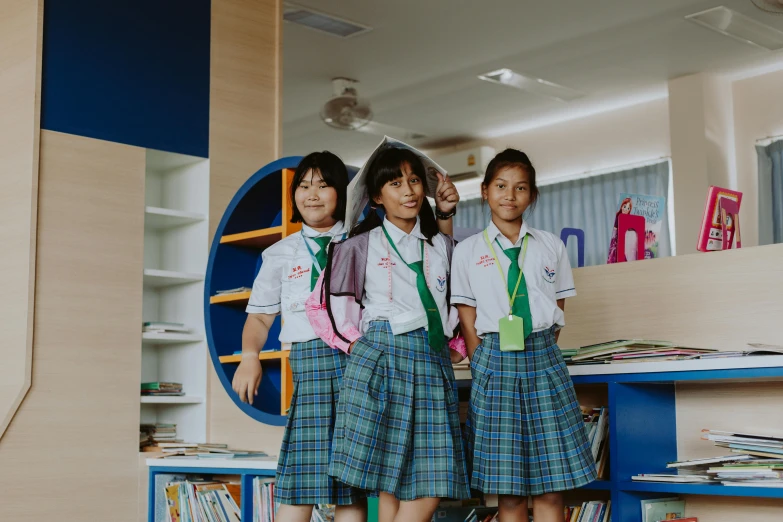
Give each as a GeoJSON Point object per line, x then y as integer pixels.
{"type": "Point", "coordinates": [565, 278]}
{"type": "Point", "coordinates": [461, 293]}
{"type": "Point", "coordinates": [265, 296]}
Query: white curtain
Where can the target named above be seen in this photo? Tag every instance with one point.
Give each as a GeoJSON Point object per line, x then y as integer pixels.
{"type": "Point", "coordinates": [588, 203]}
{"type": "Point", "coordinates": [770, 193]}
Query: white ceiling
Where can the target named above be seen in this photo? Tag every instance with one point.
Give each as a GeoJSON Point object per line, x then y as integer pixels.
{"type": "Point", "coordinates": [418, 65]}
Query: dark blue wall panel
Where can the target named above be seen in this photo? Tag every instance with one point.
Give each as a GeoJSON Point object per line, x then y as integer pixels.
{"type": "Point", "coordinates": [128, 71]}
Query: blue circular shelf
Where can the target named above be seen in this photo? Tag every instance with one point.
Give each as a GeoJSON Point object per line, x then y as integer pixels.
{"type": "Point", "coordinates": [257, 205]}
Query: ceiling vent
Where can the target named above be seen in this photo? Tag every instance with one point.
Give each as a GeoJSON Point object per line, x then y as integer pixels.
{"type": "Point", "coordinates": [322, 22]}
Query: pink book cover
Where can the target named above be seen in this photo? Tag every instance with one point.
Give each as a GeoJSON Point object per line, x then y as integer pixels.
{"type": "Point", "coordinates": [711, 233]}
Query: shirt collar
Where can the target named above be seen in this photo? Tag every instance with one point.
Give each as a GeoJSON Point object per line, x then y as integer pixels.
{"type": "Point", "coordinates": [337, 230]}
{"type": "Point", "coordinates": [493, 232]}
{"type": "Point", "coordinates": [398, 235]}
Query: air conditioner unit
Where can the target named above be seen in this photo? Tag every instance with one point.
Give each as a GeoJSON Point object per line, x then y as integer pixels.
{"type": "Point", "coordinates": [466, 164]}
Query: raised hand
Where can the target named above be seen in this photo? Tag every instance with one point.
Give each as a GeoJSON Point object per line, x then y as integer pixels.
{"type": "Point", "coordinates": [446, 195]}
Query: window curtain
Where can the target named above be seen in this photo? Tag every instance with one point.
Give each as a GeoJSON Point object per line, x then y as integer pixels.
{"type": "Point", "coordinates": [770, 159]}
{"type": "Point", "coordinates": [589, 203]}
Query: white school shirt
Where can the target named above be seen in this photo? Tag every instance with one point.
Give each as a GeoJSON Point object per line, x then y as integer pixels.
{"type": "Point", "coordinates": [475, 280]}
{"type": "Point", "coordinates": [283, 282]}
{"type": "Point", "coordinates": [404, 311]}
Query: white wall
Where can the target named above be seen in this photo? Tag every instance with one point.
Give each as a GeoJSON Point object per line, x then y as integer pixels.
{"type": "Point", "coordinates": [601, 141]}
{"type": "Point", "coordinates": [758, 114]}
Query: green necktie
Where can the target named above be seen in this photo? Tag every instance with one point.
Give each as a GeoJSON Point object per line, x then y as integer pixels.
{"type": "Point", "coordinates": [521, 307]}
{"type": "Point", "coordinates": [434, 324]}
{"type": "Point", "coordinates": [320, 257]}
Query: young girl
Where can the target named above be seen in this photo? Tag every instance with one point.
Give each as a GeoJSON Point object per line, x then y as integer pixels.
{"type": "Point", "coordinates": [509, 284]}
{"type": "Point", "coordinates": [385, 289]}
{"type": "Point", "coordinates": [288, 273]}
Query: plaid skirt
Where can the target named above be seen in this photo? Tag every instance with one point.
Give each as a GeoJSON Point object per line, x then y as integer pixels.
{"type": "Point", "coordinates": [302, 470]}
{"type": "Point", "coordinates": [397, 427]}
{"type": "Point", "coordinates": [527, 435]}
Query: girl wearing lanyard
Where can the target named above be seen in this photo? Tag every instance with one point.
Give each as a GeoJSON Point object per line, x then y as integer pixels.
{"type": "Point", "coordinates": [288, 273]}
{"type": "Point", "coordinates": [385, 295]}
{"type": "Point", "coordinates": [509, 284]}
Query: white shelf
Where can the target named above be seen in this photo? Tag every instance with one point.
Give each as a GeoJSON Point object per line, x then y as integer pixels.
{"type": "Point", "coordinates": [185, 399]}
{"type": "Point", "coordinates": [157, 218]}
{"type": "Point", "coordinates": [175, 464]}
{"type": "Point", "coordinates": [161, 278]}
{"type": "Point", "coordinates": [170, 338]}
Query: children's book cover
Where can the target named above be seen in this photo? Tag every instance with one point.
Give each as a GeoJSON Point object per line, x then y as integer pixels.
{"type": "Point", "coordinates": [652, 208]}
{"type": "Point", "coordinates": [711, 232]}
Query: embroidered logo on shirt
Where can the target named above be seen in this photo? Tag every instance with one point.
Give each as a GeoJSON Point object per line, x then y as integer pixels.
{"type": "Point", "coordinates": [485, 260]}
{"type": "Point", "coordinates": [386, 262]}
{"type": "Point", "coordinates": [298, 272]}
{"type": "Point", "coordinates": [549, 274]}
{"type": "Point", "coordinates": [441, 283]}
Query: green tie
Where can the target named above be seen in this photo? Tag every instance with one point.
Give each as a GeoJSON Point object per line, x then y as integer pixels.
{"type": "Point", "coordinates": [521, 307]}
{"type": "Point", "coordinates": [434, 324]}
{"type": "Point", "coordinates": [320, 258]}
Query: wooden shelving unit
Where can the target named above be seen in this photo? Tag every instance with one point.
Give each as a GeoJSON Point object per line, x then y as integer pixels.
{"type": "Point", "coordinates": [175, 258]}
{"type": "Point", "coordinates": [258, 217]}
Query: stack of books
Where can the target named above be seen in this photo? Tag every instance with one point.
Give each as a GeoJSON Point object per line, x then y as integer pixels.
{"type": "Point", "coordinates": [597, 427]}
{"type": "Point", "coordinates": [757, 445]}
{"type": "Point", "coordinates": [635, 350]}
{"type": "Point", "coordinates": [161, 389]}
{"type": "Point", "coordinates": [568, 354]}
{"type": "Point", "coordinates": [151, 435]}
{"type": "Point", "coordinates": [263, 499]}
{"type": "Point", "coordinates": [764, 473]}
{"type": "Point", "coordinates": [203, 500]}
{"type": "Point", "coordinates": [164, 327]}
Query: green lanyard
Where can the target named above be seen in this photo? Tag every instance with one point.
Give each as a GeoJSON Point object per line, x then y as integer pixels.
{"type": "Point", "coordinates": [502, 275]}
{"type": "Point", "coordinates": [391, 242]}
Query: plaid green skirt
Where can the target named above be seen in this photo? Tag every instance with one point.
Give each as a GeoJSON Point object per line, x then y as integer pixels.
{"type": "Point", "coordinates": [397, 427]}
{"type": "Point", "coordinates": [302, 470]}
{"type": "Point", "coordinates": [527, 435]}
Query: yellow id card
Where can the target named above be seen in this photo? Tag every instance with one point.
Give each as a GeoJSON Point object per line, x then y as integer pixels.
{"type": "Point", "coordinates": [511, 333]}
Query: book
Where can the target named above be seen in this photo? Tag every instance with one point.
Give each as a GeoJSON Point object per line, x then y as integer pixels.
{"type": "Point", "coordinates": [671, 477]}
{"type": "Point", "coordinates": [655, 510]}
{"type": "Point", "coordinates": [652, 209]}
{"type": "Point", "coordinates": [162, 326]}
{"type": "Point", "coordinates": [711, 231]}
{"type": "Point", "coordinates": [705, 462]}
{"type": "Point", "coordinates": [238, 290]}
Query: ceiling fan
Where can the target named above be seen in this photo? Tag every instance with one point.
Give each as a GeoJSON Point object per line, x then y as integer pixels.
{"type": "Point", "coordinates": [345, 110]}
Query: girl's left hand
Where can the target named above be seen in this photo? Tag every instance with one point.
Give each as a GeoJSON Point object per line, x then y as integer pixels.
{"type": "Point", "coordinates": [446, 195]}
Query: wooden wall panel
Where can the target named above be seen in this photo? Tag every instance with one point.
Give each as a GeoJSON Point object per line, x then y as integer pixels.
{"type": "Point", "coordinates": [716, 300]}
{"type": "Point", "coordinates": [244, 135]}
{"type": "Point", "coordinates": [72, 449]}
{"type": "Point", "coordinates": [21, 33]}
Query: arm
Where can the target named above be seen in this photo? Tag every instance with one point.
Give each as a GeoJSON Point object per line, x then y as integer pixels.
{"type": "Point", "coordinates": [467, 319]}
{"type": "Point", "coordinates": [248, 374]}
{"type": "Point", "coordinates": [561, 305]}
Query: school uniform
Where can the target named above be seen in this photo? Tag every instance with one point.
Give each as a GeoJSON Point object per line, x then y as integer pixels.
{"type": "Point", "coordinates": [397, 429]}
{"type": "Point", "coordinates": [283, 284]}
{"type": "Point", "coordinates": [527, 435]}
